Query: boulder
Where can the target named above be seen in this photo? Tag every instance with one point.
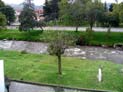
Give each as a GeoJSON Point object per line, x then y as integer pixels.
{"type": "Point", "coordinates": [118, 46]}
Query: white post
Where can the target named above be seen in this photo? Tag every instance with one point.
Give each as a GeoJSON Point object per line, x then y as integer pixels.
{"type": "Point", "coordinates": [2, 81]}
{"type": "Point", "coordinates": [99, 76]}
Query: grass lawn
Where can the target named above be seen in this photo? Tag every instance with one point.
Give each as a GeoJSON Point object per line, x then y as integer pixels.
{"type": "Point", "coordinates": [76, 72]}
{"type": "Point", "coordinates": [99, 38]}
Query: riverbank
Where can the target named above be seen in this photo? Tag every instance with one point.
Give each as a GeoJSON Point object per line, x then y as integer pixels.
{"type": "Point", "coordinates": [98, 39]}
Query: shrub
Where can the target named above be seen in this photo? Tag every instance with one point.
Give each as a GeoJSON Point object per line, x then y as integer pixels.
{"type": "Point", "coordinates": [23, 52]}
{"type": "Point", "coordinates": [82, 40]}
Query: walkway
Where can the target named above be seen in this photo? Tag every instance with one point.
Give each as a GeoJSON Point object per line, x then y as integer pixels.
{"type": "Point", "coordinates": [27, 87]}
{"type": "Point", "coordinates": [100, 29]}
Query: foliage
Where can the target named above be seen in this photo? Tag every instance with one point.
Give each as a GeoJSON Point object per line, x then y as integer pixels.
{"type": "Point", "coordinates": [111, 7]}
{"type": "Point", "coordinates": [2, 21]}
{"type": "Point", "coordinates": [99, 38]}
{"type": "Point", "coordinates": [105, 7]}
{"type": "Point", "coordinates": [80, 11]}
{"type": "Point", "coordinates": [76, 72]}
{"type": "Point", "coordinates": [41, 24]}
{"type": "Point", "coordinates": [9, 12]}
{"type": "Point", "coordinates": [121, 12]}
{"type": "Point", "coordinates": [112, 19]}
{"type": "Point", "coordinates": [51, 10]}
{"type": "Point", "coordinates": [27, 18]}
{"type": "Point", "coordinates": [94, 11]}
{"type": "Point", "coordinates": [72, 13]}
{"type": "Point", "coordinates": [82, 40]}
{"type": "Point", "coordinates": [57, 48]}
{"type": "Point", "coordinates": [1, 4]}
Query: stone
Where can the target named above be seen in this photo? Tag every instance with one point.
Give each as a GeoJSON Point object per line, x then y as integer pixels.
{"type": "Point", "coordinates": [83, 53]}
{"type": "Point", "coordinates": [77, 49]}
{"type": "Point", "coordinates": [121, 70]}
{"type": "Point", "coordinates": [113, 52]}
{"type": "Point", "coordinates": [83, 57]}
{"type": "Point", "coordinates": [118, 46]}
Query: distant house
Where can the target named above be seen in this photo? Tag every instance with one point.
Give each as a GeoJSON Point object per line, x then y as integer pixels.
{"type": "Point", "coordinates": [71, 1]}
{"type": "Point", "coordinates": [38, 12]}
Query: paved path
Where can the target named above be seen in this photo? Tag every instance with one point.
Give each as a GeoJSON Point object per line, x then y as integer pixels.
{"type": "Point", "coordinates": [100, 29]}
{"type": "Point", "coordinates": [83, 52]}
{"type": "Point", "coordinates": [22, 87]}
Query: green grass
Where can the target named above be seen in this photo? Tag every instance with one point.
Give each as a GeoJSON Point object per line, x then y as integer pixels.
{"type": "Point", "coordinates": [99, 38]}
{"type": "Point", "coordinates": [76, 72]}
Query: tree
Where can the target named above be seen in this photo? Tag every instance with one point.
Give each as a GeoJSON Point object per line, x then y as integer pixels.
{"type": "Point", "coordinates": [2, 4]}
{"type": "Point", "coordinates": [57, 47]}
{"type": "Point", "coordinates": [121, 13]}
{"type": "Point", "coordinates": [72, 12]}
{"type": "Point", "coordinates": [111, 19]}
{"type": "Point", "coordinates": [77, 13]}
{"type": "Point", "coordinates": [2, 20]}
{"type": "Point", "coordinates": [51, 10]}
{"type": "Point", "coordinates": [9, 12]}
{"type": "Point", "coordinates": [41, 24]}
{"type": "Point", "coordinates": [105, 7]}
{"type": "Point", "coordinates": [111, 7]}
{"type": "Point", "coordinates": [94, 11]}
{"type": "Point", "coordinates": [27, 18]}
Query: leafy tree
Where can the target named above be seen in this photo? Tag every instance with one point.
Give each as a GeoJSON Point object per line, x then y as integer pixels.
{"type": "Point", "coordinates": [72, 13]}
{"type": "Point", "coordinates": [27, 18]}
{"type": "Point", "coordinates": [64, 15]}
{"type": "Point", "coordinates": [51, 10]}
{"type": "Point", "coordinates": [2, 20]}
{"type": "Point", "coordinates": [57, 47]}
{"type": "Point", "coordinates": [77, 13]}
{"type": "Point", "coordinates": [105, 7]}
{"type": "Point", "coordinates": [121, 12]}
{"type": "Point", "coordinates": [41, 24]}
{"type": "Point", "coordinates": [118, 11]}
{"type": "Point", "coordinates": [112, 19]}
{"type": "Point", "coordinates": [111, 7]}
{"type": "Point", "coordinates": [10, 14]}
{"type": "Point", "coordinates": [2, 4]}
{"type": "Point", "coordinates": [94, 11]}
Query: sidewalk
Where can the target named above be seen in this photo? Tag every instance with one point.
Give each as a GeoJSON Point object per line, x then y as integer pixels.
{"type": "Point", "coordinates": [20, 86]}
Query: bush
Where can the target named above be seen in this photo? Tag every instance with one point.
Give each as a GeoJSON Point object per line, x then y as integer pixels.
{"type": "Point", "coordinates": [2, 21]}
{"type": "Point", "coordinates": [23, 52]}
{"type": "Point", "coordinates": [82, 40]}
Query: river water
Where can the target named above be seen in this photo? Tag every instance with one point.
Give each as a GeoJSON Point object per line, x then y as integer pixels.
{"type": "Point", "coordinates": [83, 52]}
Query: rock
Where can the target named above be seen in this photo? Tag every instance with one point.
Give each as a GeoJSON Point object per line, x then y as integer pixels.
{"type": "Point", "coordinates": [77, 49]}
{"type": "Point", "coordinates": [83, 52]}
{"type": "Point", "coordinates": [104, 46]}
{"type": "Point", "coordinates": [118, 46]}
{"type": "Point", "coordinates": [83, 57]}
{"type": "Point", "coordinates": [121, 70]}
{"type": "Point", "coordinates": [113, 52]}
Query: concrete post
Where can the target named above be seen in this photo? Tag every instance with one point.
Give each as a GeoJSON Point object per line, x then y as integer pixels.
{"type": "Point", "coordinates": [2, 81]}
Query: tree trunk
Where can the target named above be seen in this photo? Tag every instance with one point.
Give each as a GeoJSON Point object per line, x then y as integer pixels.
{"type": "Point", "coordinates": [59, 65]}
{"type": "Point", "coordinates": [91, 25]}
{"type": "Point", "coordinates": [42, 29]}
{"type": "Point", "coordinates": [77, 28]}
